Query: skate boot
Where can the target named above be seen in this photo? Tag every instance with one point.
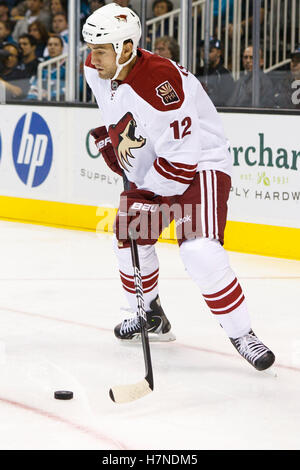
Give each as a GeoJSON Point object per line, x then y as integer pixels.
{"type": "Point", "coordinates": [254, 351]}
{"type": "Point", "coordinates": [158, 326]}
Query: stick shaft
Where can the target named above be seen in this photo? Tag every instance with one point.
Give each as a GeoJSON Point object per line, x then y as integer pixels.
{"type": "Point", "coordinates": [141, 312]}
{"type": "Point", "coordinates": [140, 302]}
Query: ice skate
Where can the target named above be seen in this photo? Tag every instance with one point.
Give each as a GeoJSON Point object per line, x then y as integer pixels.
{"type": "Point", "coordinates": [254, 351]}
{"type": "Point", "coordinates": [158, 326]}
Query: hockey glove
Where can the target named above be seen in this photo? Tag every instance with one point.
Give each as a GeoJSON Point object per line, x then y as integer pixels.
{"type": "Point", "coordinates": [138, 217]}
{"type": "Point", "coordinates": [104, 145]}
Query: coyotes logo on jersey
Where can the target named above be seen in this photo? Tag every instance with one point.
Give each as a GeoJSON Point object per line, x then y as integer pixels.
{"type": "Point", "coordinates": [123, 139]}
{"type": "Point", "coordinates": [167, 93]}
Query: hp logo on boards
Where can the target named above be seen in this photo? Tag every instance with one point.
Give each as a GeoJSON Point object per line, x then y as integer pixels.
{"type": "Point", "coordinates": [32, 149]}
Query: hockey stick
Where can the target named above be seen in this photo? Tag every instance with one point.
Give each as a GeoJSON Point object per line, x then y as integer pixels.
{"type": "Point", "coordinates": [131, 392]}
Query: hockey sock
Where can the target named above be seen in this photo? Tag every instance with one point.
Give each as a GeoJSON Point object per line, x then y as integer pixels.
{"type": "Point", "coordinates": [207, 263]}
{"type": "Point", "coordinates": [149, 270]}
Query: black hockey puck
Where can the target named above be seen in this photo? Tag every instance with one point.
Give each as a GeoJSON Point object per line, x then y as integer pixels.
{"type": "Point", "coordinates": [63, 395]}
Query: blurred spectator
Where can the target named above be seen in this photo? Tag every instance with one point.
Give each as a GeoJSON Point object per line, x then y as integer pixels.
{"type": "Point", "coordinates": [33, 13]}
{"type": "Point", "coordinates": [5, 32]}
{"type": "Point", "coordinates": [84, 9]}
{"type": "Point", "coordinates": [242, 94]}
{"type": "Point", "coordinates": [250, 17]}
{"type": "Point", "coordinates": [39, 31]}
{"type": "Point", "coordinates": [285, 13]}
{"type": "Point", "coordinates": [55, 47]}
{"type": "Point", "coordinates": [295, 63]}
{"type": "Point", "coordinates": [167, 47]}
{"type": "Point", "coordinates": [95, 4]}
{"type": "Point", "coordinates": [4, 11]}
{"type": "Point", "coordinates": [87, 9]}
{"type": "Point", "coordinates": [11, 76]}
{"type": "Point", "coordinates": [246, 16]}
{"type": "Point", "coordinates": [286, 88]}
{"type": "Point", "coordinates": [219, 83]}
{"type": "Point", "coordinates": [60, 26]}
{"type": "Point", "coordinates": [161, 7]}
{"type": "Point", "coordinates": [30, 62]}
{"type": "Point", "coordinates": [18, 11]}
{"type": "Point", "coordinates": [223, 9]}
{"type": "Point", "coordinates": [58, 6]}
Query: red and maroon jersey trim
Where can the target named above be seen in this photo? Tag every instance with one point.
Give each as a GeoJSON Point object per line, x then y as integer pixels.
{"type": "Point", "coordinates": [149, 74]}
{"type": "Point", "coordinates": [179, 172]}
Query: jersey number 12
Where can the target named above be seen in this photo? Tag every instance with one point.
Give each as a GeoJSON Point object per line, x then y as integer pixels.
{"type": "Point", "coordinates": [180, 131]}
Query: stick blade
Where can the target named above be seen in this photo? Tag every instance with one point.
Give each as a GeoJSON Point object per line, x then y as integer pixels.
{"type": "Point", "coordinates": [271, 371]}
{"type": "Point", "coordinates": [128, 393]}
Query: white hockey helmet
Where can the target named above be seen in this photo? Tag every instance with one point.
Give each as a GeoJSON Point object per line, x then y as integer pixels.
{"type": "Point", "coordinates": [112, 24]}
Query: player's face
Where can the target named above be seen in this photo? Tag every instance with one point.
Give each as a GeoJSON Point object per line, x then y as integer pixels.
{"type": "Point", "coordinates": [104, 59]}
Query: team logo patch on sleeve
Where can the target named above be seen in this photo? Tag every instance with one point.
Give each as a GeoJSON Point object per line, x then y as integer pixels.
{"type": "Point", "coordinates": [167, 93]}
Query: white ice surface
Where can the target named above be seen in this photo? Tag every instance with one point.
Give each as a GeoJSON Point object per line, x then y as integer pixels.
{"type": "Point", "coordinates": [60, 299]}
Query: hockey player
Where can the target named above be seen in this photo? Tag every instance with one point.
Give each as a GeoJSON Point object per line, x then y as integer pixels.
{"type": "Point", "coordinates": [167, 139]}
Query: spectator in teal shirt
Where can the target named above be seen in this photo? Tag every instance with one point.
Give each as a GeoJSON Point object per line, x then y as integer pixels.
{"type": "Point", "coordinates": [55, 47]}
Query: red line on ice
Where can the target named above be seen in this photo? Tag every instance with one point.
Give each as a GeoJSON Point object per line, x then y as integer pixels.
{"type": "Point", "coordinates": [46, 414]}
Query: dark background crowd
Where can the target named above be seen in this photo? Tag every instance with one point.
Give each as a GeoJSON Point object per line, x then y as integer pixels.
{"type": "Point", "coordinates": [33, 31]}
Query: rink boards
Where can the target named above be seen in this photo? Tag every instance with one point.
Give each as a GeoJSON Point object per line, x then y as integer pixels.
{"type": "Point", "coordinates": [52, 174]}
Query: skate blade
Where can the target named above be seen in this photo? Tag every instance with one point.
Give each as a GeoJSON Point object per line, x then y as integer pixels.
{"type": "Point", "coordinates": [161, 338]}
{"type": "Point", "coordinates": [153, 338]}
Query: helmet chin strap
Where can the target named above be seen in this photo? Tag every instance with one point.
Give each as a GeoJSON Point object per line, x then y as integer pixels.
{"type": "Point", "coordinates": [118, 50]}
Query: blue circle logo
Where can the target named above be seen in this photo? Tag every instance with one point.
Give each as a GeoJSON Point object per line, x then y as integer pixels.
{"type": "Point", "coordinates": [32, 149]}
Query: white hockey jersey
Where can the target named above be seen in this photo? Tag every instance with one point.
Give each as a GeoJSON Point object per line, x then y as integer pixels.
{"type": "Point", "coordinates": [163, 126]}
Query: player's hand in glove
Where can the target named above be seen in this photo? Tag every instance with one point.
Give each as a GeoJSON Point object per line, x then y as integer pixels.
{"type": "Point", "coordinates": [139, 217]}
{"type": "Point", "coordinates": [104, 145]}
